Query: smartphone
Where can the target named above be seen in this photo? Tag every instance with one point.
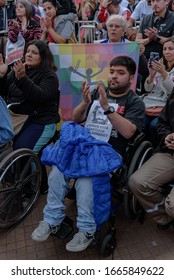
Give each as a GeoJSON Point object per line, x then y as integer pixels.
{"type": "Point", "coordinates": [154, 56]}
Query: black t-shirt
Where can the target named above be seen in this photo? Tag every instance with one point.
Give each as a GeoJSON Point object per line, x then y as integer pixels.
{"type": "Point", "coordinates": [132, 108]}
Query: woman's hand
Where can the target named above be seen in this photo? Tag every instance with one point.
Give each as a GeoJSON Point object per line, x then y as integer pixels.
{"type": "Point", "coordinates": [152, 72]}
{"type": "Point", "coordinates": [15, 24]}
{"type": "Point", "coordinates": [86, 93]}
{"type": "Point", "coordinates": [159, 67]}
{"type": "Point", "coordinates": [43, 25]}
{"type": "Point", "coordinates": [3, 67]}
{"type": "Point", "coordinates": [48, 22]}
{"type": "Point", "coordinates": [19, 69]}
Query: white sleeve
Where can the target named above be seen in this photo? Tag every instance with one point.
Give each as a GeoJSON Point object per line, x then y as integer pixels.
{"type": "Point", "coordinates": [137, 12]}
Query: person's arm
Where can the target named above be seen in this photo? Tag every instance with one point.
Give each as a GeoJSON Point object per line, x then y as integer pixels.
{"type": "Point", "coordinates": [103, 14]}
{"type": "Point", "coordinates": [6, 130]}
{"type": "Point", "coordinates": [139, 39]}
{"type": "Point", "coordinates": [13, 31]}
{"type": "Point", "coordinates": [33, 33]}
{"type": "Point", "coordinates": [163, 126]}
{"type": "Point", "coordinates": [80, 112]}
{"type": "Point", "coordinates": [58, 39]}
{"type": "Point", "coordinates": [124, 126]}
{"type": "Point", "coordinates": [152, 35]}
{"type": "Point", "coordinates": [40, 93]}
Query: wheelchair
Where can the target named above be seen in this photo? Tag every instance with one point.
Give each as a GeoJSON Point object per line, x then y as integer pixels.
{"type": "Point", "coordinates": [20, 181]}
{"type": "Point", "coordinates": [137, 153]}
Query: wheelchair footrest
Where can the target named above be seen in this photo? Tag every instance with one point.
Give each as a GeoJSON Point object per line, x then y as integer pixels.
{"type": "Point", "coordinates": [66, 228]}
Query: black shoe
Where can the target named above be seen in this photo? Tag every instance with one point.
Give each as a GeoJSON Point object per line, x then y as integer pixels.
{"type": "Point", "coordinates": [164, 227]}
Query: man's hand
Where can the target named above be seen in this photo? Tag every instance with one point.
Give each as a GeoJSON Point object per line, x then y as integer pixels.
{"type": "Point", "coordinates": [151, 33]}
{"type": "Point", "coordinates": [102, 96]}
{"type": "Point", "coordinates": [86, 92]}
{"type": "Point", "coordinates": [169, 141]}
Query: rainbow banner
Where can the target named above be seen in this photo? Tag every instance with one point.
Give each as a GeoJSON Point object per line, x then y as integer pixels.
{"type": "Point", "coordinates": [90, 62]}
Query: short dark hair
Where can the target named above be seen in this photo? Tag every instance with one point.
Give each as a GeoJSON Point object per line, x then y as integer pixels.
{"type": "Point", "coordinates": [126, 61]}
{"type": "Point", "coordinates": [115, 2]}
{"type": "Point", "coordinates": [47, 59]}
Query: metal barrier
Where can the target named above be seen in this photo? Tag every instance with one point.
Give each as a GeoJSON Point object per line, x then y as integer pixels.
{"type": "Point", "coordinates": [87, 31]}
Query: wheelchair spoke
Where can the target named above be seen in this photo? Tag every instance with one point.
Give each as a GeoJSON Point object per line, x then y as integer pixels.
{"type": "Point", "coordinates": [20, 179]}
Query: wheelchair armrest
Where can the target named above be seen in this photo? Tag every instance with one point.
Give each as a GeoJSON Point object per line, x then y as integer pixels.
{"type": "Point", "coordinates": [12, 104]}
{"type": "Point", "coordinates": [137, 140]}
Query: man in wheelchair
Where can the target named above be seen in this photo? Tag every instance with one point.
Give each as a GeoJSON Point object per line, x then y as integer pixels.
{"type": "Point", "coordinates": [149, 183]}
{"type": "Point", "coordinates": [6, 130]}
{"type": "Point", "coordinates": [114, 115]}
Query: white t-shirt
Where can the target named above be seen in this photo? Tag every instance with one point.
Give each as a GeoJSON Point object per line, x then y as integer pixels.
{"type": "Point", "coordinates": [142, 9]}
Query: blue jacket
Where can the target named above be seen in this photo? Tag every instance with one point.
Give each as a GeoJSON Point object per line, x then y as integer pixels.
{"type": "Point", "coordinates": [6, 129]}
{"type": "Point", "coordinates": [78, 154]}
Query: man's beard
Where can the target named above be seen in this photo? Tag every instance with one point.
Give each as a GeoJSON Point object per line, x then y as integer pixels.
{"type": "Point", "coordinates": [119, 89]}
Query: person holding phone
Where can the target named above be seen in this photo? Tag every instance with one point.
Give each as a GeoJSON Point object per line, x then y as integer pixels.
{"type": "Point", "coordinates": [158, 85]}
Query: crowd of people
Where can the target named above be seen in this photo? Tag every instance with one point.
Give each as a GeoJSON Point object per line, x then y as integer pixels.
{"type": "Point", "coordinates": [32, 83]}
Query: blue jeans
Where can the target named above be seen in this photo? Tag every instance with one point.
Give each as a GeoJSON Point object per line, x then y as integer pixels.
{"type": "Point", "coordinates": [54, 211]}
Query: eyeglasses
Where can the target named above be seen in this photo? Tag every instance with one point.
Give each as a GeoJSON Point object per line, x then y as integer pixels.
{"type": "Point", "coordinates": [114, 26]}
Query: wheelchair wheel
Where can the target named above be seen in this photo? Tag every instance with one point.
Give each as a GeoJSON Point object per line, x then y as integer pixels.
{"type": "Point", "coordinates": [143, 153]}
{"type": "Point", "coordinates": [108, 245]}
{"type": "Point", "coordinates": [20, 180]}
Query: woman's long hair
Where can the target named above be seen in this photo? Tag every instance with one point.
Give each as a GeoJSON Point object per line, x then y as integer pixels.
{"type": "Point", "coordinates": [171, 39]}
{"type": "Point", "coordinates": [27, 6]}
{"type": "Point", "coordinates": [47, 59]}
{"type": "Point", "coordinates": [55, 3]}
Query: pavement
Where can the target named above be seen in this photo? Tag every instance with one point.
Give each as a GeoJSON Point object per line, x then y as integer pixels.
{"type": "Point", "coordinates": [135, 241]}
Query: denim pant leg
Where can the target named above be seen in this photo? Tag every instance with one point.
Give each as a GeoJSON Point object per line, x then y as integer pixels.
{"type": "Point", "coordinates": [54, 211]}
{"type": "Point", "coordinates": [85, 209]}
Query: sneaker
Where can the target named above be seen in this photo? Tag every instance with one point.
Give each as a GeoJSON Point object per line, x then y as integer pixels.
{"type": "Point", "coordinates": [80, 241]}
{"type": "Point", "coordinates": [43, 231]}
{"type": "Point", "coordinates": [166, 226]}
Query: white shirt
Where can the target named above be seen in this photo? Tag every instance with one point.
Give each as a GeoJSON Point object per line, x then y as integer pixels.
{"type": "Point", "coordinates": [142, 9]}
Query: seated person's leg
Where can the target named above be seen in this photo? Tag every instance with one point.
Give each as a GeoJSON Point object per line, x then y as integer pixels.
{"type": "Point", "coordinates": [54, 211]}
{"type": "Point", "coordinates": [85, 220]}
{"type": "Point", "coordinates": [169, 203]}
{"type": "Point", "coordinates": [145, 184]}
{"type": "Point", "coordinates": [34, 136]}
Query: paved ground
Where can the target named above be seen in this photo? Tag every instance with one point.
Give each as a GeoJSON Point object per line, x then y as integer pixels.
{"type": "Point", "coordinates": [134, 241]}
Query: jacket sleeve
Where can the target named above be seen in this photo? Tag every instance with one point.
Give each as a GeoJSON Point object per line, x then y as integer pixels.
{"type": "Point", "coordinates": [168, 83]}
{"type": "Point", "coordinates": [163, 125]}
{"type": "Point", "coordinates": [6, 130]}
{"type": "Point", "coordinates": [41, 93]}
{"type": "Point", "coordinates": [103, 14]}
{"type": "Point", "coordinates": [12, 33]}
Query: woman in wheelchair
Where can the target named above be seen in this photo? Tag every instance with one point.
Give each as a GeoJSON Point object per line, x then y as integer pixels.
{"type": "Point", "coordinates": [33, 85]}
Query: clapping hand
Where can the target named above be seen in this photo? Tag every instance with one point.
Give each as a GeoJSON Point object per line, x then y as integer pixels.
{"type": "Point", "coordinates": [19, 69]}
{"type": "Point", "coordinates": [102, 96]}
{"type": "Point", "coordinates": [3, 67]}
{"type": "Point", "coordinates": [86, 92]}
{"type": "Point", "coordinates": [151, 33]}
